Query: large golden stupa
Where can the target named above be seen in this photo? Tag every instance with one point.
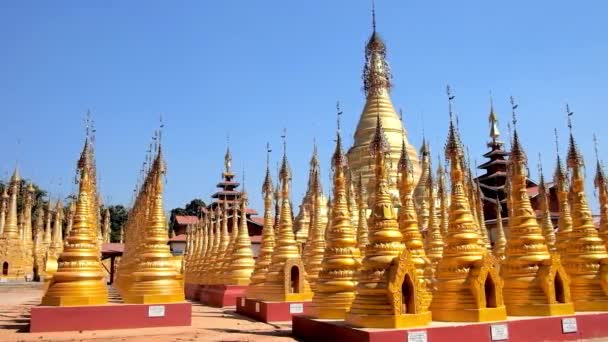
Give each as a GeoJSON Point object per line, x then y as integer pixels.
{"type": "Point", "coordinates": [377, 85]}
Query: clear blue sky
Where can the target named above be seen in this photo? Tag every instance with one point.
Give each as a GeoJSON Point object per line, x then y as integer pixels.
{"type": "Point", "coordinates": [250, 68]}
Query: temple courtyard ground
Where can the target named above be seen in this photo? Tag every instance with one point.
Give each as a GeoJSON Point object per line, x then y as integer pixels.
{"type": "Point", "coordinates": [208, 324]}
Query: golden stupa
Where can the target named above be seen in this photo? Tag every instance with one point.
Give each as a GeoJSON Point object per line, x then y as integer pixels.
{"type": "Point", "coordinates": [389, 292]}
{"type": "Point", "coordinates": [468, 287]}
{"type": "Point", "coordinates": [12, 252]}
{"type": "Point", "coordinates": [147, 271]}
{"type": "Point", "coordinates": [336, 282]}
{"type": "Point", "coordinates": [535, 283]}
{"type": "Point", "coordinates": [286, 278]}
{"type": "Point", "coordinates": [316, 245]}
{"type": "Point", "coordinates": [267, 244]}
{"type": "Point", "coordinates": [442, 193]}
{"type": "Point", "coordinates": [602, 190]}
{"type": "Point", "coordinates": [585, 257]}
{"type": "Point", "coordinates": [410, 228]}
{"type": "Point", "coordinates": [240, 268]}
{"type": "Point", "coordinates": [377, 85]}
{"type": "Point", "coordinates": [79, 279]}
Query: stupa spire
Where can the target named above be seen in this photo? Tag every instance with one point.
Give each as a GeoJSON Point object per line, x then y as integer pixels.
{"type": "Point", "coordinates": [434, 240]}
{"type": "Point", "coordinates": [377, 85]}
{"type": "Point", "coordinates": [564, 222]}
{"type": "Point", "coordinates": [268, 240]}
{"type": "Point", "coordinates": [545, 221]}
{"type": "Point", "coordinates": [493, 120]}
{"type": "Point", "coordinates": [336, 282]}
{"type": "Point", "coordinates": [602, 190]}
{"type": "Point", "coordinates": [585, 251]}
{"type": "Point", "coordinates": [454, 299]}
{"type": "Point", "coordinates": [535, 283]}
{"type": "Point", "coordinates": [79, 279]}
{"type": "Point", "coordinates": [443, 198]}
{"type": "Point", "coordinates": [386, 243]}
{"type": "Point", "coordinates": [241, 260]}
{"type": "Point", "coordinates": [286, 250]}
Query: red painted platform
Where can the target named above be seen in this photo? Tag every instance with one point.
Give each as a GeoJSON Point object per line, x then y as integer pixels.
{"type": "Point", "coordinates": [192, 291]}
{"type": "Point", "coordinates": [515, 329]}
{"type": "Point", "coordinates": [221, 296]}
{"type": "Point", "coordinates": [111, 316]}
{"type": "Point", "coordinates": [271, 312]}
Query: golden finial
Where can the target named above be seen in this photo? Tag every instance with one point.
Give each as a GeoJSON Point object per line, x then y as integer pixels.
{"type": "Point", "coordinates": [493, 119]}
{"type": "Point", "coordinates": [575, 159]}
{"type": "Point", "coordinates": [228, 159]}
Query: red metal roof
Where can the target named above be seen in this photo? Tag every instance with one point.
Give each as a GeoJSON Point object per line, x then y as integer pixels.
{"type": "Point", "coordinates": [258, 220]}
{"type": "Point", "coordinates": [186, 219]}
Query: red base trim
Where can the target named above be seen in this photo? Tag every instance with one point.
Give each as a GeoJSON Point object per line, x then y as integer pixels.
{"type": "Point", "coordinates": [270, 312]}
{"type": "Point", "coordinates": [221, 296]}
{"type": "Point", "coordinates": [589, 325]}
{"type": "Point", "coordinates": [105, 317]}
{"type": "Point", "coordinates": [192, 291]}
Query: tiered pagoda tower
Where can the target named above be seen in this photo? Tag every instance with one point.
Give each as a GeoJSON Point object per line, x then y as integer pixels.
{"type": "Point", "coordinates": [493, 182]}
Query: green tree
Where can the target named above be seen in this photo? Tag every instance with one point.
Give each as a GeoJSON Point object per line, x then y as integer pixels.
{"type": "Point", "coordinates": [193, 208]}
{"type": "Point", "coordinates": [118, 218]}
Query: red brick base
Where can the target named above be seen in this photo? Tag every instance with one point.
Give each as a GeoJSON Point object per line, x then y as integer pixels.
{"type": "Point", "coordinates": [111, 316]}
{"type": "Point", "coordinates": [270, 312]}
{"type": "Point", "coordinates": [589, 325]}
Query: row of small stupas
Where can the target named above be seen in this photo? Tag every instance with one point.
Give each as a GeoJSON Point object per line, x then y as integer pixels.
{"type": "Point", "coordinates": [382, 272]}
{"type": "Point", "coordinates": [147, 272]}
{"type": "Point", "coordinates": [31, 240]}
{"type": "Point", "coordinates": [395, 248]}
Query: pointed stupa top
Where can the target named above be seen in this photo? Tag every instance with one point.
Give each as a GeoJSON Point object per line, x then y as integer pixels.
{"type": "Point", "coordinates": [16, 177]}
{"type": "Point", "coordinates": [227, 161]}
{"type": "Point", "coordinates": [493, 119]}
{"type": "Point", "coordinates": [574, 158]}
{"type": "Point", "coordinates": [376, 73]}
{"type": "Point", "coordinates": [267, 185]}
{"type": "Point", "coordinates": [379, 143]}
{"type": "Point", "coordinates": [600, 177]}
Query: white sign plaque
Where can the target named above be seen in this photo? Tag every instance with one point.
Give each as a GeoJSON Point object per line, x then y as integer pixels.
{"type": "Point", "coordinates": [242, 301]}
{"type": "Point", "coordinates": [569, 325]}
{"type": "Point", "coordinates": [257, 307]}
{"type": "Point", "coordinates": [156, 311]}
{"type": "Point", "coordinates": [417, 336]}
{"type": "Point", "coordinates": [499, 332]}
{"type": "Point", "coordinates": [296, 308]}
